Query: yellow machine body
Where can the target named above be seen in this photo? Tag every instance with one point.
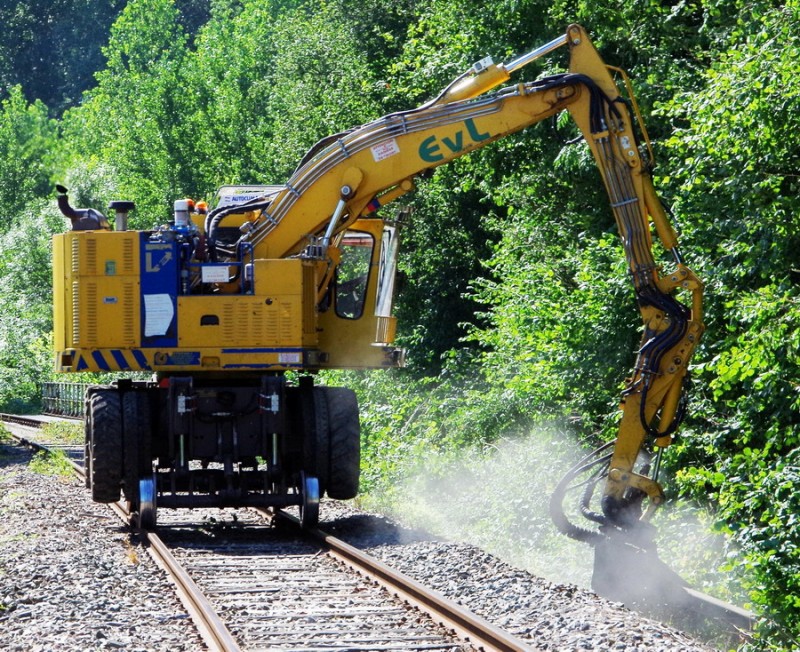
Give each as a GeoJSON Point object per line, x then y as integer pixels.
{"type": "Point", "coordinates": [117, 308]}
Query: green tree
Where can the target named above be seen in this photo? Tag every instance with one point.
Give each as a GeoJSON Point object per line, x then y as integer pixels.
{"type": "Point", "coordinates": [57, 45]}
{"type": "Point", "coordinates": [294, 76]}
{"type": "Point", "coordinates": [26, 306]}
{"type": "Point", "coordinates": [513, 247]}
{"type": "Point", "coordinates": [26, 138]}
{"type": "Point", "coordinates": [264, 83]}
{"type": "Point", "coordinates": [736, 165]}
{"type": "Point", "coordinates": [129, 125]}
{"type": "Point", "coordinates": [54, 47]}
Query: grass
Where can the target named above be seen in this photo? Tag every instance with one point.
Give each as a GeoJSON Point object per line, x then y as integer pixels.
{"type": "Point", "coordinates": [50, 463]}
{"type": "Point", "coordinates": [130, 553]}
{"type": "Point", "coordinates": [63, 432]}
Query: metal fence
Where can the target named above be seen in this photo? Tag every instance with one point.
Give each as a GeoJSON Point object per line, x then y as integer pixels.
{"type": "Point", "coordinates": [63, 399]}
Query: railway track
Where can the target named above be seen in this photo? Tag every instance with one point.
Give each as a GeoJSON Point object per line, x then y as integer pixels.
{"type": "Point", "coordinates": [253, 581]}
{"type": "Point", "coordinates": [279, 590]}
{"type": "Point", "coordinates": [28, 432]}
{"type": "Point", "coordinates": [257, 582]}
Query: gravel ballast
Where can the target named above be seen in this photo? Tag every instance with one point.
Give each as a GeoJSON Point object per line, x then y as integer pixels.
{"type": "Point", "coordinates": [543, 614]}
{"type": "Point", "coordinates": [73, 578]}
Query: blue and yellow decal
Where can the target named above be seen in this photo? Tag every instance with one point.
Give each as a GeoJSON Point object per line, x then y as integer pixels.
{"type": "Point", "coordinates": [113, 360]}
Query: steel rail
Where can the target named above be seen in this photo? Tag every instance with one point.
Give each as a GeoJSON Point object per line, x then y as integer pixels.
{"type": "Point", "coordinates": [208, 622]}
{"type": "Point", "coordinates": [21, 420]}
{"type": "Point", "coordinates": [467, 625]}
{"type": "Point", "coordinates": [34, 423]}
{"type": "Point", "coordinates": [210, 626]}
{"type": "Point", "coordinates": [742, 620]}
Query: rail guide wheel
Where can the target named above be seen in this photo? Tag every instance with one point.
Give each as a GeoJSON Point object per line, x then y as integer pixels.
{"type": "Point", "coordinates": [309, 505]}
{"type": "Point", "coordinates": [147, 503]}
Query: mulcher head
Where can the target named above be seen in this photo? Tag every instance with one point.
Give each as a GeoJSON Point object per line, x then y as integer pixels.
{"type": "Point", "coordinates": [627, 568]}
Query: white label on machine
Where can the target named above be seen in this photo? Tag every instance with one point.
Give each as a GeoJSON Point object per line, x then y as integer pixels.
{"type": "Point", "coordinates": [215, 273]}
{"type": "Point", "coordinates": [236, 195]}
{"type": "Point", "coordinates": [385, 149]}
{"type": "Point", "coordinates": [289, 358]}
{"type": "Point", "coordinates": [158, 314]}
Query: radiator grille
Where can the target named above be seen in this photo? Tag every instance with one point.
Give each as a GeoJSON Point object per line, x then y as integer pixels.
{"type": "Point", "coordinates": [129, 313]}
{"type": "Point", "coordinates": [76, 256]}
{"type": "Point", "coordinates": [90, 255]}
{"type": "Point", "coordinates": [91, 313]}
{"type": "Point", "coordinates": [127, 257]}
{"type": "Point", "coordinates": [271, 326]}
{"type": "Point", "coordinates": [228, 324]}
{"type": "Point", "coordinates": [76, 312]}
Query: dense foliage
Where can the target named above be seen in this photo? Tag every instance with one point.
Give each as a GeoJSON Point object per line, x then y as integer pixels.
{"type": "Point", "coordinates": [514, 303]}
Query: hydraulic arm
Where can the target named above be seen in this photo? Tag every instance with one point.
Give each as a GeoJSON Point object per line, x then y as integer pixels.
{"type": "Point", "coordinates": [355, 173]}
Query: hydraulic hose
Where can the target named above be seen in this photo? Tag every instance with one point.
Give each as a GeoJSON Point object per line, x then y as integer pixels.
{"type": "Point", "coordinates": [596, 458]}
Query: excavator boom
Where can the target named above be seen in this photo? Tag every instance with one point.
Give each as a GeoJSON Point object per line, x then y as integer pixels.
{"type": "Point", "coordinates": [379, 161]}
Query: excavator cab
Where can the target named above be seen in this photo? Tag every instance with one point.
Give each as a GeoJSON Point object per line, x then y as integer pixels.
{"type": "Point", "coordinates": [356, 325]}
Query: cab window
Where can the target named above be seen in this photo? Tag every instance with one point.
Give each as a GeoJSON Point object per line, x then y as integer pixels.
{"type": "Point", "coordinates": [353, 273]}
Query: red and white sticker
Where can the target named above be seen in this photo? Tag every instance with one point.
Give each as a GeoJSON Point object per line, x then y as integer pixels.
{"type": "Point", "coordinates": [385, 149]}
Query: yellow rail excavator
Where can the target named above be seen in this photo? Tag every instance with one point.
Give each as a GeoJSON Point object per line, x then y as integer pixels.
{"type": "Point", "coordinates": [220, 304]}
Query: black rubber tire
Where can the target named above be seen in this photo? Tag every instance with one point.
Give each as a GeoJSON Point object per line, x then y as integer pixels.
{"type": "Point", "coordinates": [344, 432]}
{"type": "Point", "coordinates": [320, 469]}
{"type": "Point", "coordinates": [105, 414]}
{"type": "Point", "coordinates": [311, 417]}
{"type": "Point", "coordinates": [87, 438]}
{"type": "Point", "coordinates": [136, 425]}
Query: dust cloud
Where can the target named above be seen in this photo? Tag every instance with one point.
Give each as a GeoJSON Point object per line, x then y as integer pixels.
{"type": "Point", "coordinates": [498, 499]}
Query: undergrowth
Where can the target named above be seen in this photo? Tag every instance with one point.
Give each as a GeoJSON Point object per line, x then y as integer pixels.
{"type": "Point", "coordinates": [64, 432]}
{"type": "Point", "coordinates": [50, 463]}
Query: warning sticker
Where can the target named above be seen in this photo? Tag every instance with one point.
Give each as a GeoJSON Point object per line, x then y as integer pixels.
{"type": "Point", "coordinates": [158, 313]}
{"type": "Point", "coordinates": [385, 149]}
{"type": "Point", "coordinates": [215, 274]}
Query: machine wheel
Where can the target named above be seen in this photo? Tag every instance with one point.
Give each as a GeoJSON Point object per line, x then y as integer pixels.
{"type": "Point", "coordinates": [87, 438]}
{"type": "Point", "coordinates": [313, 419]}
{"type": "Point", "coordinates": [137, 462]}
{"type": "Point", "coordinates": [105, 433]}
{"type": "Point", "coordinates": [147, 503]}
{"type": "Point", "coordinates": [309, 506]}
{"type": "Point", "coordinates": [321, 439]}
{"type": "Point", "coordinates": [344, 434]}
